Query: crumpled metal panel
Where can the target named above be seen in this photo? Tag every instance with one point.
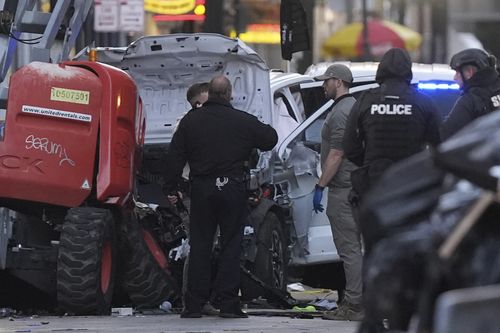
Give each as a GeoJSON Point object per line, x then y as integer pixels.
{"type": "Point", "coordinates": [303, 160]}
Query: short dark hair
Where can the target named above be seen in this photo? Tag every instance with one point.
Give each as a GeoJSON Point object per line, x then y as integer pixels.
{"type": "Point", "coordinates": [196, 90]}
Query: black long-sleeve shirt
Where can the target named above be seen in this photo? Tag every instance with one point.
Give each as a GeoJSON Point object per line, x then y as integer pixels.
{"type": "Point", "coordinates": [215, 140]}
{"type": "Point", "coordinates": [481, 96]}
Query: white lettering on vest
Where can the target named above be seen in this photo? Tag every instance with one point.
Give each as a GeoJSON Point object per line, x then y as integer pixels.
{"type": "Point", "coordinates": [391, 109]}
{"type": "Point", "coordinates": [495, 100]}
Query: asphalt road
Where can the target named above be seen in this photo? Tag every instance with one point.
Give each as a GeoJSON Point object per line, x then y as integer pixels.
{"type": "Point", "coordinates": [261, 320]}
{"type": "Point", "coordinates": [172, 323]}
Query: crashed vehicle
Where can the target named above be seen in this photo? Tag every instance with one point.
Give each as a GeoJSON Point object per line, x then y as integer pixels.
{"type": "Point", "coordinates": [283, 235]}
{"type": "Point", "coordinates": [163, 67]}
{"type": "Point", "coordinates": [297, 169]}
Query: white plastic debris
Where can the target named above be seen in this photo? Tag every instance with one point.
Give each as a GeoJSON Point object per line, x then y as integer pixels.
{"type": "Point", "coordinates": [181, 251]}
{"type": "Point", "coordinates": [296, 287]}
{"type": "Point", "coordinates": [166, 306]}
{"type": "Point", "coordinates": [122, 312]}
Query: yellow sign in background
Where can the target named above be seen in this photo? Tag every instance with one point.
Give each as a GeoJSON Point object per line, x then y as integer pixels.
{"type": "Point", "coordinates": [169, 7]}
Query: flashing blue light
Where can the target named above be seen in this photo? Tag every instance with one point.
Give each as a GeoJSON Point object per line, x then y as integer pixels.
{"type": "Point", "coordinates": [438, 86]}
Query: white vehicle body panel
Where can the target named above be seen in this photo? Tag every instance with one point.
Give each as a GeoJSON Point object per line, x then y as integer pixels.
{"type": "Point", "coordinates": [288, 114]}
{"type": "Point", "coordinates": [165, 66]}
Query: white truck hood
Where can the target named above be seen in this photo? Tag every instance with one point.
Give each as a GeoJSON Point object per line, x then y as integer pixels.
{"type": "Point", "coordinates": [164, 67]}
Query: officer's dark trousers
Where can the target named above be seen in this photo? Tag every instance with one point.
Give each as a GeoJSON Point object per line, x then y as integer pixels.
{"type": "Point", "coordinates": [211, 206]}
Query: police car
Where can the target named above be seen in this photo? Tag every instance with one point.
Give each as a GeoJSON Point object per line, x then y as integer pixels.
{"type": "Point", "coordinates": [282, 232]}
{"type": "Point", "coordinates": [435, 80]}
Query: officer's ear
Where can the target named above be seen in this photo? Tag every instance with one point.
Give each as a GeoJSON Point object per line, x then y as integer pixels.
{"type": "Point", "coordinates": [492, 60]}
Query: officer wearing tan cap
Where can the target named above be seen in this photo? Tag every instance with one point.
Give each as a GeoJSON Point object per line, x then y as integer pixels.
{"type": "Point", "coordinates": [336, 172]}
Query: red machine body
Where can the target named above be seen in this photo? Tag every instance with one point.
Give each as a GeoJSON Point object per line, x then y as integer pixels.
{"type": "Point", "coordinates": [71, 139]}
{"type": "Point", "coordinates": [71, 130]}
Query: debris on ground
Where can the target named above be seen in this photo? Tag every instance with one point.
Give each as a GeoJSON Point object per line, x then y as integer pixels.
{"type": "Point", "coordinates": [6, 312]}
{"type": "Point", "coordinates": [126, 311]}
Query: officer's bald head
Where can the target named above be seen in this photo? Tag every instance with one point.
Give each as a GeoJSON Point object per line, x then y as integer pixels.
{"type": "Point", "coordinates": [220, 87]}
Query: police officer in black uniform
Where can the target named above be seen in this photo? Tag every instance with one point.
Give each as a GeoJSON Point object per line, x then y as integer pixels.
{"type": "Point", "coordinates": [478, 78]}
{"type": "Point", "coordinates": [388, 123]}
{"type": "Point", "coordinates": [216, 140]}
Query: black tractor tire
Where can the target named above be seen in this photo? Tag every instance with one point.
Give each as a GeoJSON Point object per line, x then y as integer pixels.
{"type": "Point", "coordinates": [86, 262]}
{"type": "Point", "coordinates": [270, 261]}
{"type": "Point", "coordinates": [146, 278]}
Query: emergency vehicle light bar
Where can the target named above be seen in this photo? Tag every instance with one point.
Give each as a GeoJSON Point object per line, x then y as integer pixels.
{"type": "Point", "coordinates": [438, 86]}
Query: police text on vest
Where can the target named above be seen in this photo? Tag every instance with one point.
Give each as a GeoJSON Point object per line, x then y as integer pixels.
{"type": "Point", "coordinates": [390, 109]}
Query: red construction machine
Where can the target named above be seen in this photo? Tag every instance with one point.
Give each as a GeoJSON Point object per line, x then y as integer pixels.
{"type": "Point", "coordinates": [71, 134]}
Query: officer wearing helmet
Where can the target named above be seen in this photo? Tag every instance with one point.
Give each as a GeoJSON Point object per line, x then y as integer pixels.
{"type": "Point", "coordinates": [480, 83]}
{"type": "Point", "coordinates": [387, 124]}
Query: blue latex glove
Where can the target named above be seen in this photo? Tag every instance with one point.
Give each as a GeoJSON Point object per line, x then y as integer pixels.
{"type": "Point", "coordinates": [318, 195]}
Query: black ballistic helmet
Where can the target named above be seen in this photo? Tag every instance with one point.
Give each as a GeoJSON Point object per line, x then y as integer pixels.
{"type": "Point", "coordinates": [476, 57]}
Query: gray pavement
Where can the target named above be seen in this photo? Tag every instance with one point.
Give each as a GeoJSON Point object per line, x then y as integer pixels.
{"type": "Point", "coordinates": [172, 323]}
{"type": "Point", "coordinates": [157, 321]}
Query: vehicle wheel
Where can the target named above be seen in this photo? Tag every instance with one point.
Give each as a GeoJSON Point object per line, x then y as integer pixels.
{"type": "Point", "coordinates": [270, 261]}
{"type": "Point", "coordinates": [147, 278]}
{"type": "Point", "coordinates": [86, 261]}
